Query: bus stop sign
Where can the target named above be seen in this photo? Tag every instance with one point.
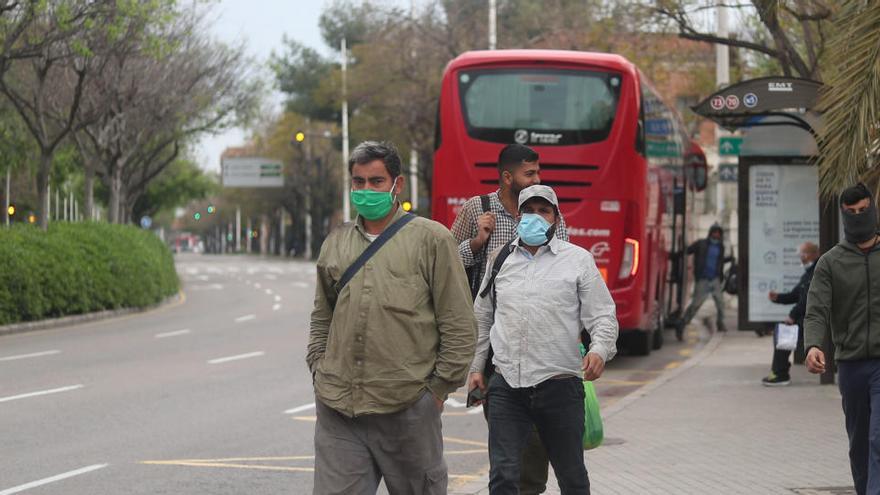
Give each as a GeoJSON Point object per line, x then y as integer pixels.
{"type": "Point", "coordinates": [734, 106]}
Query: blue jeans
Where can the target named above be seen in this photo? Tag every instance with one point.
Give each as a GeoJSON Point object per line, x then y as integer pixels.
{"type": "Point", "coordinates": [556, 408]}
{"type": "Point", "coordinates": [859, 383]}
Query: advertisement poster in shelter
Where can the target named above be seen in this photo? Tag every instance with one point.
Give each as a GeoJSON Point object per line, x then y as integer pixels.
{"type": "Point", "coordinates": [783, 213]}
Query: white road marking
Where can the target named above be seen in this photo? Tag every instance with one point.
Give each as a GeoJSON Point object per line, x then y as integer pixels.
{"type": "Point", "coordinates": [245, 318]}
{"type": "Point", "coordinates": [302, 285]}
{"type": "Point", "coordinates": [300, 408]}
{"type": "Point", "coordinates": [277, 298]}
{"type": "Point", "coordinates": [268, 292]}
{"type": "Point", "coordinates": [26, 356]}
{"type": "Point", "coordinates": [53, 479]}
{"type": "Point", "coordinates": [41, 392]}
{"type": "Point", "coordinates": [236, 358]}
{"type": "Point", "coordinates": [276, 307]}
{"type": "Point", "coordinates": [203, 277]}
{"type": "Point", "coordinates": [207, 287]}
{"type": "Point", "coordinates": [172, 334]}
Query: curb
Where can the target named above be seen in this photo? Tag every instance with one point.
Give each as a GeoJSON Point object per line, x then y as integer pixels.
{"type": "Point", "coordinates": [31, 326]}
{"type": "Point", "coordinates": [665, 378]}
{"type": "Point", "coordinates": [478, 487]}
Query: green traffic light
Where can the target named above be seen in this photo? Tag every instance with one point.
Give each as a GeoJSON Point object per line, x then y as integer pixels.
{"type": "Point", "coordinates": [197, 216]}
{"type": "Point", "coordinates": [211, 209]}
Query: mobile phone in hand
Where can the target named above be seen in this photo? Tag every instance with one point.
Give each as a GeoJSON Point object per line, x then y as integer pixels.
{"type": "Point", "coordinates": [474, 396]}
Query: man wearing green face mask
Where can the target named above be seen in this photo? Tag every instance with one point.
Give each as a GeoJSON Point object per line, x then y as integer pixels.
{"type": "Point", "coordinates": [388, 347]}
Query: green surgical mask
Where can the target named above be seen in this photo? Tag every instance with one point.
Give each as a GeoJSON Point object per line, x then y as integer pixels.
{"type": "Point", "coordinates": [372, 205]}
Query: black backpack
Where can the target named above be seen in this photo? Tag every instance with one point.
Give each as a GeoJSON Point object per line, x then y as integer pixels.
{"type": "Point", "coordinates": [473, 272]}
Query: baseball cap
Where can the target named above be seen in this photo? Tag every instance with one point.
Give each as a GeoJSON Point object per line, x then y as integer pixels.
{"type": "Point", "coordinates": [538, 191]}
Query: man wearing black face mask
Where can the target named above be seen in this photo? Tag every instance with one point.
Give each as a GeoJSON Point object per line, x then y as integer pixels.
{"type": "Point", "coordinates": [844, 299]}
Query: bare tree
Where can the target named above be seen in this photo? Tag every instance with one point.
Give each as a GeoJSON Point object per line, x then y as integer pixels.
{"type": "Point", "coordinates": [149, 107]}
{"type": "Point", "coordinates": [792, 32]}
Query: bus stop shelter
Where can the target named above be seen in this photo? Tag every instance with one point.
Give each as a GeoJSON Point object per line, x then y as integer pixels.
{"type": "Point", "coordinates": [779, 206]}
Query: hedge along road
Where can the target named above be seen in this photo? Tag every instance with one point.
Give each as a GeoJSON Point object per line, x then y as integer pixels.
{"type": "Point", "coordinates": [210, 395]}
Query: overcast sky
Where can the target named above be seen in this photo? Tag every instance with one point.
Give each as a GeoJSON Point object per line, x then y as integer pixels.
{"type": "Point", "coordinates": [262, 25]}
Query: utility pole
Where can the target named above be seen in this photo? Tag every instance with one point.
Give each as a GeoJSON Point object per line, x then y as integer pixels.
{"type": "Point", "coordinates": [307, 253]}
{"type": "Point", "coordinates": [722, 79]}
{"type": "Point", "coordinates": [414, 177]}
{"type": "Point", "coordinates": [493, 24]}
{"type": "Point", "coordinates": [346, 206]}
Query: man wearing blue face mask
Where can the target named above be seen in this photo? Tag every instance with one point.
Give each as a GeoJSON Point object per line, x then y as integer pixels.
{"type": "Point", "coordinates": [709, 262]}
{"type": "Point", "coordinates": [532, 312]}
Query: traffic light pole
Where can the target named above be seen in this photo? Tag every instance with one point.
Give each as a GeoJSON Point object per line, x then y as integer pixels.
{"type": "Point", "coordinates": [6, 208]}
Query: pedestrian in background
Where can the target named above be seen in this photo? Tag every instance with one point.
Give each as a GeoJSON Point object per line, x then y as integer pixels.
{"type": "Point", "coordinates": [844, 299]}
{"type": "Point", "coordinates": [532, 312]}
{"type": "Point", "coordinates": [480, 231]}
{"type": "Point", "coordinates": [709, 262]}
{"type": "Point", "coordinates": [779, 369]}
{"type": "Point", "coordinates": [386, 348]}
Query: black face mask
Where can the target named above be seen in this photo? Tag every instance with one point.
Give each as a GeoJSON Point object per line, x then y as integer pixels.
{"type": "Point", "coordinates": [860, 227]}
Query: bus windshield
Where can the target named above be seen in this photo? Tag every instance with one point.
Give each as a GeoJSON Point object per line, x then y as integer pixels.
{"type": "Point", "coordinates": [539, 106]}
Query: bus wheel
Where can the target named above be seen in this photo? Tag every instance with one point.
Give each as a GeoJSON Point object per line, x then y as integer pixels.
{"type": "Point", "coordinates": [658, 331]}
{"type": "Point", "coordinates": [640, 342]}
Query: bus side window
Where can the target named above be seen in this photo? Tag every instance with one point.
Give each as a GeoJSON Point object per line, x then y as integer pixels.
{"type": "Point", "coordinates": [640, 128]}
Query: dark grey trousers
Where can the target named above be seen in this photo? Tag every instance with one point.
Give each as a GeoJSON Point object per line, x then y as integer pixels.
{"type": "Point", "coordinates": [404, 448]}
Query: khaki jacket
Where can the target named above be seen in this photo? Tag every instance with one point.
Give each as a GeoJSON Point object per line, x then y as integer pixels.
{"type": "Point", "coordinates": [404, 323]}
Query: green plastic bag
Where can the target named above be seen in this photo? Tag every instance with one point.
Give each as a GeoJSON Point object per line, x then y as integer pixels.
{"type": "Point", "coordinates": [593, 431]}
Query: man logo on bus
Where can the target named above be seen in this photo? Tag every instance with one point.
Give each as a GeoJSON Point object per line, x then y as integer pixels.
{"type": "Point", "coordinates": [521, 136]}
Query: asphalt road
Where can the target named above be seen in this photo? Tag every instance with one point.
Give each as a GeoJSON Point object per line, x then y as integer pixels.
{"type": "Point", "coordinates": [210, 395]}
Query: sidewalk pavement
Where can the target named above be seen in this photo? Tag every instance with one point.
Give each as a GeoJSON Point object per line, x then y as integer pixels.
{"type": "Point", "coordinates": [710, 427]}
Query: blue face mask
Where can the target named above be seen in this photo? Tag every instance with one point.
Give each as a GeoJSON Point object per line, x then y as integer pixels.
{"type": "Point", "coordinates": [532, 229]}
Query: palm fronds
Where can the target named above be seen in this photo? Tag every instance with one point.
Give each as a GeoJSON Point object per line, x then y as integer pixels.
{"type": "Point", "coordinates": [851, 98]}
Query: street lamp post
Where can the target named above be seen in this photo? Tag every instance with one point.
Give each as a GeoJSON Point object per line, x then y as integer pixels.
{"type": "Point", "coordinates": [346, 206]}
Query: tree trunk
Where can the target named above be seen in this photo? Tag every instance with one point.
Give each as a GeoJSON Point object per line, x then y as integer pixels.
{"type": "Point", "coordinates": [89, 193]}
{"type": "Point", "coordinates": [264, 234]}
{"type": "Point", "coordinates": [43, 188]}
{"type": "Point", "coordinates": [113, 215]}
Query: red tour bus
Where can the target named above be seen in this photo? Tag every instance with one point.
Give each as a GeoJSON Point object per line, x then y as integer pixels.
{"type": "Point", "coordinates": [616, 154]}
